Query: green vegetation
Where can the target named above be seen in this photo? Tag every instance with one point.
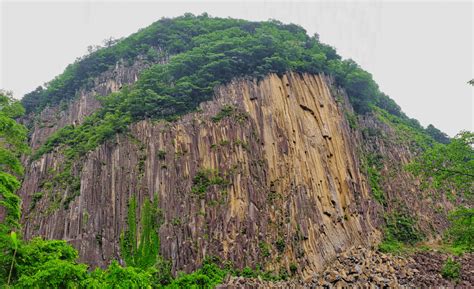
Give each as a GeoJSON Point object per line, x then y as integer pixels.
{"type": "Point", "coordinates": [36, 198]}
{"type": "Point", "coordinates": [400, 231]}
{"type": "Point", "coordinates": [264, 249]}
{"type": "Point", "coordinates": [161, 154]}
{"type": "Point", "coordinates": [226, 111]}
{"type": "Point", "coordinates": [293, 268]}
{"type": "Point", "coordinates": [408, 130]}
{"type": "Point", "coordinates": [52, 264]}
{"type": "Point", "coordinates": [374, 165]}
{"type": "Point", "coordinates": [351, 119]}
{"type": "Point", "coordinates": [206, 178]}
{"type": "Point", "coordinates": [460, 235]}
{"type": "Point", "coordinates": [280, 245]}
{"type": "Point", "coordinates": [12, 145]}
{"type": "Point", "coordinates": [229, 111]}
{"type": "Point", "coordinates": [207, 52]}
{"type": "Point", "coordinates": [451, 270]}
{"type": "Point", "coordinates": [448, 167]}
{"type": "Point", "coordinates": [140, 247]}
{"type": "Point", "coordinates": [208, 276]}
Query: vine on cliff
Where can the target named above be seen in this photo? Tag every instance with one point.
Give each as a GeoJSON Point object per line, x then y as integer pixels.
{"type": "Point", "coordinates": [140, 245]}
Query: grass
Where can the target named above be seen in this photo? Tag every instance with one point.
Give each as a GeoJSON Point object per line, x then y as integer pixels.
{"type": "Point", "coordinates": [393, 247]}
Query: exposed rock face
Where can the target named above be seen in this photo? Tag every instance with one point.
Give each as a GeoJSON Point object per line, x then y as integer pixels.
{"type": "Point", "coordinates": [289, 171]}
{"type": "Point", "coordinates": [73, 113]}
{"type": "Point", "coordinates": [401, 190]}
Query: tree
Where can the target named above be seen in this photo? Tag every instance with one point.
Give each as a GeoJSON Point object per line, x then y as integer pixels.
{"type": "Point", "coordinates": [461, 231]}
{"type": "Point", "coordinates": [12, 145]}
{"type": "Point", "coordinates": [449, 167]}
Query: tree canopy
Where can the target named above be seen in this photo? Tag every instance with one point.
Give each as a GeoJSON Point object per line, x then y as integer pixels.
{"type": "Point", "coordinates": [448, 166]}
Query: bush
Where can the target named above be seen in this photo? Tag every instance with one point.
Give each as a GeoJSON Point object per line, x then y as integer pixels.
{"type": "Point", "coordinates": [400, 231]}
{"type": "Point", "coordinates": [391, 246]}
{"type": "Point", "coordinates": [208, 276]}
{"type": "Point", "coordinates": [451, 270]}
{"type": "Point", "coordinates": [401, 227]}
{"type": "Point", "coordinates": [461, 232]}
{"type": "Point", "coordinates": [264, 249]}
{"type": "Point", "coordinates": [206, 178]}
{"type": "Point", "coordinates": [280, 245]}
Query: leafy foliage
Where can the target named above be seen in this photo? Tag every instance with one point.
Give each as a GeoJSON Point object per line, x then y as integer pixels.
{"type": "Point", "coordinates": [208, 276]}
{"type": "Point", "coordinates": [52, 264]}
{"type": "Point", "coordinates": [12, 135]}
{"type": "Point", "coordinates": [12, 145]}
{"type": "Point", "coordinates": [280, 245]}
{"type": "Point", "coordinates": [36, 262]}
{"type": "Point", "coordinates": [451, 269]}
{"type": "Point", "coordinates": [116, 276]}
{"type": "Point", "coordinates": [171, 35]}
{"type": "Point", "coordinates": [461, 231]}
{"type": "Point", "coordinates": [374, 165]}
{"type": "Point", "coordinates": [448, 167]}
{"type": "Point", "coordinates": [400, 230]}
{"type": "Point", "coordinates": [264, 249]}
{"type": "Point", "coordinates": [140, 246]}
{"type": "Point", "coordinates": [206, 178]}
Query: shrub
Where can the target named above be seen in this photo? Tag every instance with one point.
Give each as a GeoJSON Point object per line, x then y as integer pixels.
{"type": "Point", "coordinates": [401, 227]}
{"type": "Point", "coordinates": [461, 231]}
{"type": "Point", "coordinates": [161, 154]}
{"type": "Point", "coordinates": [400, 230]}
{"type": "Point", "coordinates": [451, 270]}
{"type": "Point", "coordinates": [293, 268]}
{"type": "Point", "coordinates": [280, 245]}
{"type": "Point", "coordinates": [264, 249]}
{"type": "Point", "coordinates": [204, 179]}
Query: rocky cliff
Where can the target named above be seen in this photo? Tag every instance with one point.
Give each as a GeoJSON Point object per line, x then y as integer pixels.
{"type": "Point", "coordinates": [73, 112]}
{"type": "Point", "coordinates": [290, 171]}
{"type": "Point", "coordinates": [268, 173]}
{"type": "Point", "coordinates": [247, 154]}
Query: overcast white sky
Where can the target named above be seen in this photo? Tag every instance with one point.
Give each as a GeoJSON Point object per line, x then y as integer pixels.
{"type": "Point", "coordinates": [420, 53]}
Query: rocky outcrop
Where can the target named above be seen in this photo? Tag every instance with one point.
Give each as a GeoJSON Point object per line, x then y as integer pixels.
{"type": "Point", "coordinates": [402, 192]}
{"type": "Point", "coordinates": [285, 183]}
{"type": "Point", "coordinates": [366, 268]}
{"type": "Point", "coordinates": [85, 103]}
{"type": "Point", "coordinates": [427, 267]}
